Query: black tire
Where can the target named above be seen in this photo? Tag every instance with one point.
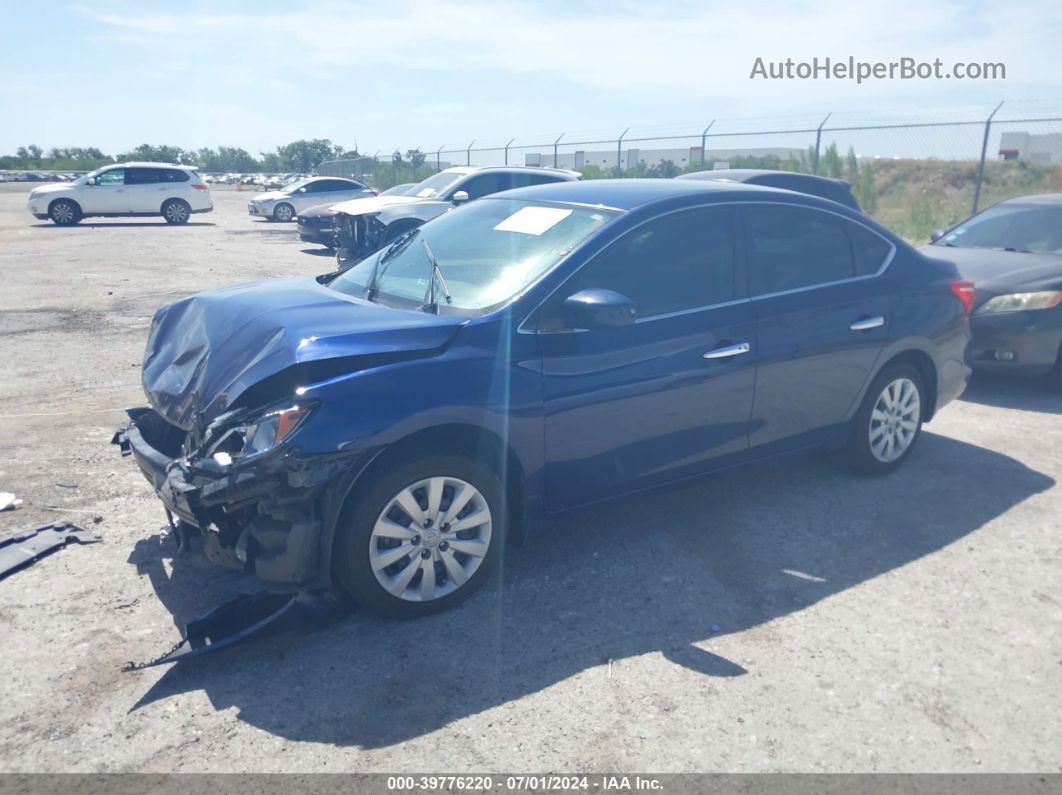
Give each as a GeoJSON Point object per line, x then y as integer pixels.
{"type": "Point", "coordinates": [1054, 378]}
{"type": "Point", "coordinates": [860, 451]}
{"type": "Point", "coordinates": [284, 212]}
{"type": "Point", "coordinates": [176, 211]}
{"type": "Point", "coordinates": [354, 536]}
{"type": "Point", "coordinates": [64, 212]}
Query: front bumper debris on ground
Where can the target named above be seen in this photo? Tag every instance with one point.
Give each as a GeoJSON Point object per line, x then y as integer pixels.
{"type": "Point", "coordinates": [252, 615]}
{"type": "Point", "coordinates": [19, 550]}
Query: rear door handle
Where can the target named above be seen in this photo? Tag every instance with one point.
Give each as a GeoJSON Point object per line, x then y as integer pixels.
{"type": "Point", "coordinates": [868, 323]}
{"type": "Point", "coordinates": [728, 350]}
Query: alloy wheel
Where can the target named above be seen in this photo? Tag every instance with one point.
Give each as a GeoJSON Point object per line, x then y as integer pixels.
{"type": "Point", "coordinates": [62, 213]}
{"type": "Point", "coordinates": [176, 213]}
{"type": "Point", "coordinates": [430, 539]}
{"type": "Point", "coordinates": [894, 420]}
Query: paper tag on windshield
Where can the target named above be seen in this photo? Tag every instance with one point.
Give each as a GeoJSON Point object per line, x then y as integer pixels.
{"type": "Point", "coordinates": [533, 220]}
{"type": "Point", "coordinates": [426, 192]}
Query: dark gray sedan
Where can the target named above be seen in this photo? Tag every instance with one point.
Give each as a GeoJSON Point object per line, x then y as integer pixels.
{"type": "Point", "coordinates": [1013, 253]}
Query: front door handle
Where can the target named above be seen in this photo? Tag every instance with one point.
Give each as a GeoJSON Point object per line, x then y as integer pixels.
{"type": "Point", "coordinates": [868, 323]}
{"type": "Point", "coordinates": [728, 350]}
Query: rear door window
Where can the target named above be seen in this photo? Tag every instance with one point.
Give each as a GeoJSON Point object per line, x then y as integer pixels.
{"type": "Point", "coordinates": [790, 248]}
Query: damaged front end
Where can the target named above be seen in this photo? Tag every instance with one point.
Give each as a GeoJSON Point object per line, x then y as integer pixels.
{"type": "Point", "coordinates": [251, 508]}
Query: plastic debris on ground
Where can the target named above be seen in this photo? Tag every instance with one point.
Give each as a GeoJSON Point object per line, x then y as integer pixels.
{"type": "Point", "coordinates": [19, 550]}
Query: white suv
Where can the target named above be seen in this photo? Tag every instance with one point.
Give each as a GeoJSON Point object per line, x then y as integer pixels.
{"type": "Point", "coordinates": [172, 191]}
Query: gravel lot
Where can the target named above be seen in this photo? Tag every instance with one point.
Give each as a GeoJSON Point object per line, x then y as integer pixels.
{"type": "Point", "coordinates": [785, 617]}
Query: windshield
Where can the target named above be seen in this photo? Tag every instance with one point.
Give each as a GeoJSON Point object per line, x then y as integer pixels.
{"type": "Point", "coordinates": [291, 187]}
{"type": "Point", "coordinates": [1029, 228]}
{"type": "Point", "coordinates": [434, 185]}
{"type": "Point", "coordinates": [487, 251]}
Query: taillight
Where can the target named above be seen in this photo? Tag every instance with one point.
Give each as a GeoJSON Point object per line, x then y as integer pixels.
{"type": "Point", "coordinates": [965, 292]}
{"type": "Point", "coordinates": [200, 186]}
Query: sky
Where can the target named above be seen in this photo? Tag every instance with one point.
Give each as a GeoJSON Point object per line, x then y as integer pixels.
{"type": "Point", "coordinates": [438, 73]}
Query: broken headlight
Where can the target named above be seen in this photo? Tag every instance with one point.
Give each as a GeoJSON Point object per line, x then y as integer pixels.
{"type": "Point", "coordinates": [260, 435]}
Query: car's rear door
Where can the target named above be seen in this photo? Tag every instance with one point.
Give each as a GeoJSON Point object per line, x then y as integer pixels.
{"type": "Point", "coordinates": [823, 313]}
{"type": "Point", "coordinates": [146, 188]}
{"type": "Point", "coordinates": [652, 401]}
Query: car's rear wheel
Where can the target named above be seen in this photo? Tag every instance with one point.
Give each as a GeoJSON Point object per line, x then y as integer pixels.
{"type": "Point", "coordinates": [64, 212]}
{"type": "Point", "coordinates": [422, 537]}
{"type": "Point", "coordinates": [283, 212]}
{"type": "Point", "coordinates": [889, 421]}
{"type": "Point", "coordinates": [176, 211]}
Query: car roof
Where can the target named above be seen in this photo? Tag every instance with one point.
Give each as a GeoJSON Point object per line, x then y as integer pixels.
{"type": "Point", "coordinates": [628, 194]}
{"type": "Point", "coordinates": [520, 169]}
{"type": "Point", "coordinates": [1039, 198]}
{"type": "Point", "coordinates": [749, 174]}
{"type": "Point", "coordinates": [149, 164]}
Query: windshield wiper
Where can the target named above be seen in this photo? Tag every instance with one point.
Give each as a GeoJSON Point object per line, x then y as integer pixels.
{"type": "Point", "coordinates": [386, 256]}
{"type": "Point", "coordinates": [436, 273]}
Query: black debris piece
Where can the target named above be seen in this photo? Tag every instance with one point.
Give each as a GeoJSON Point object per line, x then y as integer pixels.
{"type": "Point", "coordinates": [19, 550]}
{"type": "Point", "coordinates": [252, 615]}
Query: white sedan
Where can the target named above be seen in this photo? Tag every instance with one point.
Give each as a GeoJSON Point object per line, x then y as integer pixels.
{"type": "Point", "coordinates": [287, 202]}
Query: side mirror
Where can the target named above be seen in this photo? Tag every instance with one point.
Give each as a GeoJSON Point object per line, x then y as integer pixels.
{"type": "Point", "coordinates": [596, 308]}
{"type": "Point", "coordinates": [301, 190]}
{"type": "Point", "coordinates": [90, 181]}
{"type": "Point", "coordinates": [460, 197]}
{"type": "Point", "coordinates": [937, 235]}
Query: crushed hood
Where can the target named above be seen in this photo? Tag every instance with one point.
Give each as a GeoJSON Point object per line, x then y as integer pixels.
{"type": "Point", "coordinates": [371, 204]}
{"type": "Point", "coordinates": [206, 350]}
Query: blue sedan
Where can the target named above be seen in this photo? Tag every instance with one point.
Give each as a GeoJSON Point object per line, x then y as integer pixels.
{"type": "Point", "coordinates": [386, 429]}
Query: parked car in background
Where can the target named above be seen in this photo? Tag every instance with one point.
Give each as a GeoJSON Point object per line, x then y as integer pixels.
{"type": "Point", "coordinates": [317, 224]}
{"type": "Point", "coordinates": [287, 202]}
{"type": "Point", "coordinates": [837, 190]}
{"type": "Point", "coordinates": [1012, 251]}
{"type": "Point", "coordinates": [387, 428]}
{"type": "Point", "coordinates": [364, 225]}
{"type": "Point", "coordinates": [130, 189]}
{"type": "Point", "coordinates": [399, 190]}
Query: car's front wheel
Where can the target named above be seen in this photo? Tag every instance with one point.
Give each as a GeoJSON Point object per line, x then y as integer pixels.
{"type": "Point", "coordinates": [889, 421]}
{"type": "Point", "coordinates": [176, 211]}
{"type": "Point", "coordinates": [422, 537]}
{"type": "Point", "coordinates": [64, 212]}
{"type": "Point", "coordinates": [283, 212]}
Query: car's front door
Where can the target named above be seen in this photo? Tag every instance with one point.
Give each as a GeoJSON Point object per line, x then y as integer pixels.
{"type": "Point", "coordinates": [661, 398]}
{"type": "Point", "coordinates": [108, 193]}
{"type": "Point", "coordinates": [823, 316]}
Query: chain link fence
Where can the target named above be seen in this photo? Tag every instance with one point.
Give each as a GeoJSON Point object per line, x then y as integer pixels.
{"type": "Point", "coordinates": [913, 174]}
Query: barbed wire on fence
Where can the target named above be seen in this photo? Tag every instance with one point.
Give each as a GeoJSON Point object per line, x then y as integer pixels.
{"type": "Point", "coordinates": [913, 175]}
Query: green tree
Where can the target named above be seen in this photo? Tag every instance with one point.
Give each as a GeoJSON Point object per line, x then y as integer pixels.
{"type": "Point", "coordinates": [851, 166]}
{"type": "Point", "coordinates": [305, 155]}
{"type": "Point", "coordinates": [866, 188]}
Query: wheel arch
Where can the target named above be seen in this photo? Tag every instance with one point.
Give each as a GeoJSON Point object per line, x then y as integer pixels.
{"type": "Point", "coordinates": [169, 199]}
{"type": "Point", "coordinates": [472, 440]}
{"type": "Point", "coordinates": [70, 199]}
{"type": "Point", "coordinates": [926, 367]}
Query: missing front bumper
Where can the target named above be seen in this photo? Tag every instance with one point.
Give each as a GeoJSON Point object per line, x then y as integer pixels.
{"type": "Point", "coordinates": [263, 517]}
